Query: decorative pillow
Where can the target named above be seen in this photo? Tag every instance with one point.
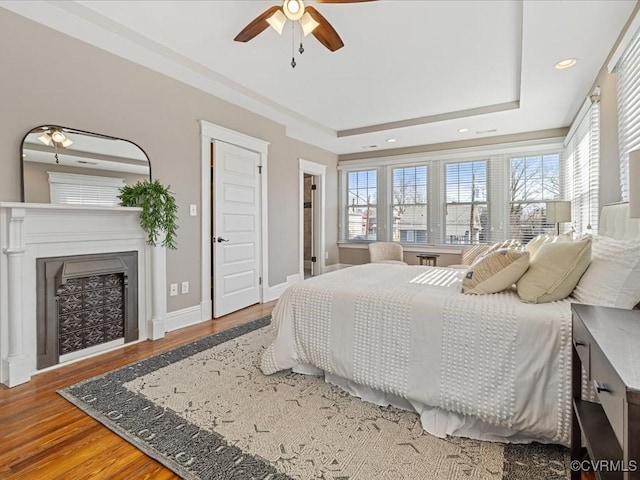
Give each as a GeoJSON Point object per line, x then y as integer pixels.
{"type": "Point", "coordinates": [495, 271]}
{"type": "Point", "coordinates": [613, 278]}
{"type": "Point", "coordinates": [536, 242]}
{"type": "Point", "coordinates": [554, 271]}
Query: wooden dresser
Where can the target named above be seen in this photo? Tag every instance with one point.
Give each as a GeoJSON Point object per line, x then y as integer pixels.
{"type": "Point", "coordinates": [606, 344]}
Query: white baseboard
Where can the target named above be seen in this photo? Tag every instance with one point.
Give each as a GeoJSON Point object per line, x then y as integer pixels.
{"type": "Point", "coordinates": [336, 266]}
{"type": "Point", "coordinates": [273, 293]}
{"type": "Point", "coordinates": [184, 318]}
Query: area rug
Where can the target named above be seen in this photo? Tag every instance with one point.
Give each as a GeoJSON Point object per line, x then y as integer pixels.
{"type": "Point", "coordinates": [206, 411]}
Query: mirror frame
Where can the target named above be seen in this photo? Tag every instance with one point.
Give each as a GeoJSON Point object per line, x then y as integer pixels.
{"type": "Point", "coordinates": [71, 130]}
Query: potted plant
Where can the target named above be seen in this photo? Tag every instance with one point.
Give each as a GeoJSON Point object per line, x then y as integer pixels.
{"type": "Point", "coordinates": [159, 210]}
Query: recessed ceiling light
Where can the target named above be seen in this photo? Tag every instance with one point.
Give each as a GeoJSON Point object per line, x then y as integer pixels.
{"type": "Point", "coordinates": [568, 63]}
{"type": "Point", "coordinates": [463, 130]}
{"type": "Point", "coordinates": [391, 140]}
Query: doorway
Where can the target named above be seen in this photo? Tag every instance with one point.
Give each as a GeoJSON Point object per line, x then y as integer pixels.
{"type": "Point", "coordinates": [312, 218]}
{"type": "Point", "coordinates": [240, 227]}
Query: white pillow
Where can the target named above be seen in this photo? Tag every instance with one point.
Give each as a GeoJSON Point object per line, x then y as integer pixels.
{"type": "Point", "coordinates": [613, 278]}
{"type": "Point", "coordinates": [554, 271]}
{"type": "Point", "coordinates": [495, 271]}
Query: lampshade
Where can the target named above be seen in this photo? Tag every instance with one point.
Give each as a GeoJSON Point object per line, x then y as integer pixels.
{"type": "Point", "coordinates": [308, 24]}
{"type": "Point", "coordinates": [634, 184]}
{"type": "Point", "coordinates": [277, 21]}
{"type": "Point", "coordinates": [558, 211]}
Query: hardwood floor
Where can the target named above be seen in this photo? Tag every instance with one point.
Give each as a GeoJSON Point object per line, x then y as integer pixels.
{"type": "Point", "coordinates": [42, 436]}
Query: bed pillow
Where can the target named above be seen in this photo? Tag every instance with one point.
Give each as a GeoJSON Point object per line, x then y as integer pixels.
{"type": "Point", "coordinates": [613, 278]}
{"type": "Point", "coordinates": [536, 242]}
{"type": "Point", "coordinates": [554, 271]}
{"type": "Point", "coordinates": [495, 271]}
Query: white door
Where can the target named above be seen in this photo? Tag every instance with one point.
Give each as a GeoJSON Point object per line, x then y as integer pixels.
{"type": "Point", "coordinates": [236, 231]}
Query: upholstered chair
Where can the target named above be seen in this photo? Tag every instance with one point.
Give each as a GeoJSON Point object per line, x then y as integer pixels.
{"type": "Point", "coordinates": [386, 252]}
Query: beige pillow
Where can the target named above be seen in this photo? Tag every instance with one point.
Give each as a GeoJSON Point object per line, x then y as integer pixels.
{"type": "Point", "coordinates": [554, 271]}
{"type": "Point", "coordinates": [495, 271]}
{"type": "Point", "coordinates": [536, 242]}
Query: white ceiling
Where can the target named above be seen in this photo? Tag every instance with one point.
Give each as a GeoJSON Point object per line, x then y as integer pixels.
{"type": "Point", "coordinates": [412, 70]}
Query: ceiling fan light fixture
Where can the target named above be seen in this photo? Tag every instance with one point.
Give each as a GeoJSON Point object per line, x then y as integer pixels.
{"type": "Point", "coordinates": [293, 9]}
{"type": "Point", "coordinates": [277, 21]}
{"type": "Point", "coordinates": [45, 138]}
{"type": "Point", "coordinates": [308, 24]}
{"type": "Point", "coordinates": [67, 143]}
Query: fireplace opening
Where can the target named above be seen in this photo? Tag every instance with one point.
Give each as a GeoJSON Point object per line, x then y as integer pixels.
{"type": "Point", "coordinates": [85, 303]}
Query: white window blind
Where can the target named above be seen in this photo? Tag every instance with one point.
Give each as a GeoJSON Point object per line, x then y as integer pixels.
{"type": "Point", "coordinates": [466, 202]}
{"type": "Point", "coordinates": [628, 72]}
{"type": "Point", "coordinates": [361, 216]}
{"type": "Point", "coordinates": [452, 197]}
{"type": "Point", "coordinates": [533, 180]}
{"type": "Point", "coordinates": [410, 211]}
{"type": "Point", "coordinates": [74, 189]}
{"type": "Point", "coordinates": [582, 171]}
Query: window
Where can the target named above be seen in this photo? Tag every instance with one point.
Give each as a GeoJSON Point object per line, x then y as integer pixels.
{"type": "Point", "coordinates": [454, 197]}
{"type": "Point", "coordinates": [361, 211]}
{"type": "Point", "coordinates": [74, 189]}
{"type": "Point", "coordinates": [628, 71]}
{"type": "Point", "coordinates": [533, 180]}
{"type": "Point", "coordinates": [409, 204]}
{"type": "Point", "coordinates": [466, 202]}
{"type": "Point", "coordinates": [582, 153]}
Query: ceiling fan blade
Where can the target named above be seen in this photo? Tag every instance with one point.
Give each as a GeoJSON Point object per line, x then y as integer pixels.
{"type": "Point", "coordinates": [324, 32]}
{"type": "Point", "coordinates": [257, 26]}
{"type": "Point", "coordinates": [343, 1]}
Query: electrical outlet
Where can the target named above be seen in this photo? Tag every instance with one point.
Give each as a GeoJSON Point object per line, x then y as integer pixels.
{"type": "Point", "coordinates": [193, 210]}
{"type": "Point", "coordinates": [173, 291]}
{"type": "Point", "coordinates": [185, 287]}
{"type": "Point", "coordinates": [326, 255]}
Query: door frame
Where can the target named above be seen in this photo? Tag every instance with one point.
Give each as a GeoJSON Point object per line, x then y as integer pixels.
{"type": "Point", "coordinates": [320, 172]}
{"type": "Point", "coordinates": [208, 133]}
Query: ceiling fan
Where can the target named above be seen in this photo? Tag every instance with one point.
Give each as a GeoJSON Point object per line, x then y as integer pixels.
{"type": "Point", "coordinates": [310, 20]}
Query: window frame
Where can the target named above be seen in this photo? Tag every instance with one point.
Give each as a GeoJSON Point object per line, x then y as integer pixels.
{"type": "Point", "coordinates": [497, 183]}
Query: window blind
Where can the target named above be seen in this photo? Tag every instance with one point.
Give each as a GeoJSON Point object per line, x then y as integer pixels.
{"type": "Point", "coordinates": [73, 189]}
{"type": "Point", "coordinates": [628, 72]}
{"type": "Point", "coordinates": [582, 171]}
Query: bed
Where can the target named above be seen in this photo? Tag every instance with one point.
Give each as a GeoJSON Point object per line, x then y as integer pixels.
{"type": "Point", "coordinates": [488, 367]}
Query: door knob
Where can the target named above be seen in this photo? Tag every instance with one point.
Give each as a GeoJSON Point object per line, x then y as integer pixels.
{"type": "Point", "coordinates": [220, 240]}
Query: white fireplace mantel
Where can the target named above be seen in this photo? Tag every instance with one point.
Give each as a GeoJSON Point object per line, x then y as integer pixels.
{"type": "Point", "coordinates": [30, 231]}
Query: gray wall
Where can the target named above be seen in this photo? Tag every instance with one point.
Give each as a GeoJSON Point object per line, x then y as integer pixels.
{"type": "Point", "coordinates": [100, 92]}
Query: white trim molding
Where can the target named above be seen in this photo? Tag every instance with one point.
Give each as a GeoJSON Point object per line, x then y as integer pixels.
{"type": "Point", "coordinates": [32, 231]}
{"type": "Point", "coordinates": [319, 171]}
{"type": "Point", "coordinates": [208, 133]}
{"type": "Point", "coordinates": [184, 318]}
{"type": "Point", "coordinates": [273, 293]}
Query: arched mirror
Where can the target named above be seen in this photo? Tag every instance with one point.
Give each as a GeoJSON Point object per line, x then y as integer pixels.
{"type": "Point", "coordinates": [70, 166]}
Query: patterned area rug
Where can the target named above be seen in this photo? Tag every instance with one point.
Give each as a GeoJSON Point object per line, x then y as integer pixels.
{"type": "Point", "coordinates": [206, 411]}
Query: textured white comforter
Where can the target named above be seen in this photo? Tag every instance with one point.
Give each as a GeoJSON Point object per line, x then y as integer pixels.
{"type": "Point", "coordinates": [488, 367]}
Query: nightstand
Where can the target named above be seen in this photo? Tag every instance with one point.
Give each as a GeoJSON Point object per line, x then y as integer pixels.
{"type": "Point", "coordinates": [428, 258]}
{"type": "Point", "coordinates": [606, 344]}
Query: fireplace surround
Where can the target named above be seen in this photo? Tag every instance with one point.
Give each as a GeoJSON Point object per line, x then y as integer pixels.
{"type": "Point", "coordinates": [29, 232]}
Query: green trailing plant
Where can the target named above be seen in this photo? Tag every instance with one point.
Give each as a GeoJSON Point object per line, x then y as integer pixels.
{"type": "Point", "coordinates": [159, 210]}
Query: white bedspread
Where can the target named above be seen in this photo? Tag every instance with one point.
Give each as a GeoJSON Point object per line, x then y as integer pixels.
{"type": "Point", "coordinates": [486, 366]}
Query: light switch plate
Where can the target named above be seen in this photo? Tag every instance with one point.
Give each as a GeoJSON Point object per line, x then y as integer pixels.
{"type": "Point", "coordinates": [185, 287]}
{"type": "Point", "coordinates": [173, 290]}
{"type": "Point", "coordinates": [193, 210]}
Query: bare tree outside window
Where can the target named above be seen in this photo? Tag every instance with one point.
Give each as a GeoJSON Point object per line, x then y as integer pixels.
{"type": "Point", "coordinates": [533, 181]}
{"type": "Point", "coordinates": [410, 204]}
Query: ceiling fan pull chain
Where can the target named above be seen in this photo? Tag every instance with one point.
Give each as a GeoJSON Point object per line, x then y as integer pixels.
{"type": "Point", "coordinates": [293, 45]}
{"type": "Point", "coordinates": [301, 49]}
